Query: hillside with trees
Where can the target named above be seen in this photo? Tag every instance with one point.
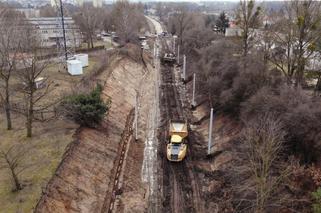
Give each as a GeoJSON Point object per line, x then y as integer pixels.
{"type": "Point", "coordinates": [262, 79]}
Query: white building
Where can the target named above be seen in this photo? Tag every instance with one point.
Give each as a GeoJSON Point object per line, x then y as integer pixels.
{"type": "Point", "coordinates": [233, 31]}
{"type": "Point", "coordinates": [29, 12]}
{"type": "Point", "coordinates": [97, 3]}
{"type": "Point", "coordinates": [51, 34]}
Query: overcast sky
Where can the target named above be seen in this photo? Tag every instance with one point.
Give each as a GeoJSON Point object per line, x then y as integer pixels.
{"type": "Point", "coordinates": [209, 0]}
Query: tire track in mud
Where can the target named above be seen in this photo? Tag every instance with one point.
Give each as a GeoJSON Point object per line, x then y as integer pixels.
{"type": "Point", "coordinates": [180, 187]}
{"type": "Point", "coordinates": [177, 193]}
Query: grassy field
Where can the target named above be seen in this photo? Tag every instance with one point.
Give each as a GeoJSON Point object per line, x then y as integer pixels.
{"type": "Point", "coordinates": [49, 142]}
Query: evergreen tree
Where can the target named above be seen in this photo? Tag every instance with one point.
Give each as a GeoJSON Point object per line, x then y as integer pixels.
{"type": "Point", "coordinates": [222, 22]}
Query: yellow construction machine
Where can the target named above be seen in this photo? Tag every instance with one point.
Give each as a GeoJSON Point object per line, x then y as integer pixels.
{"type": "Point", "coordinates": [177, 146]}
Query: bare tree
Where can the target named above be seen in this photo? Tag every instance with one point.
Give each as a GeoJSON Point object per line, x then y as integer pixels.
{"type": "Point", "coordinates": [262, 142]}
{"type": "Point", "coordinates": [179, 22]}
{"type": "Point", "coordinates": [162, 10]}
{"type": "Point", "coordinates": [14, 160]}
{"type": "Point", "coordinates": [32, 68]}
{"type": "Point", "coordinates": [248, 18]}
{"type": "Point", "coordinates": [9, 49]}
{"type": "Point", "coordinates": [108, 24]}
{"type": "Point", "coordinates": [89, 19]}
{"type": "Point", "coordinates": [127, 19]}
{"type": "Point", "coordinates": [295, 35]}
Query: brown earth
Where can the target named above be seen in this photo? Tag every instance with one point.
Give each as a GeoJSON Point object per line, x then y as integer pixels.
{"type": "Point", "coordinates": [85, 175]}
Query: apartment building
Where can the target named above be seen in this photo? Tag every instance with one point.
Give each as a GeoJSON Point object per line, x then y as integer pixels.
{"type": "Point", "coordinates": [50, 31]}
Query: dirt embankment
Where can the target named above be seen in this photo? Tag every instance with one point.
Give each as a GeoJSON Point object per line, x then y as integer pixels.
{"type": "Point", "coordinates": [83, 181]}
{"type": "Point", "coordinates": [214, 171]}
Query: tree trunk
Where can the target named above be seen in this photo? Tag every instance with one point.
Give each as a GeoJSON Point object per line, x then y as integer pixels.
{"type": "Point", "coordinates": [91, 41]}
{"type": "Point", "coordinates": [88, 42]}
{"type": "Point", "coordinates": [300, 71]}
{"type": "Point", "coordinates": [7, 107]}
{"type": "Point", "coordinates": [318, 85]}
{"type": "Point", "coordinates": [16, 181]}
{"type": "Point", "coordinates": [8, 115]}
{"type": "Point", "coordinates": [30, 116]}
{"type": "Point", "coordinates": [245, 43]}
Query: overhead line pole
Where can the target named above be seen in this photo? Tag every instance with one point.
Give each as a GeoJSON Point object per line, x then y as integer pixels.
{"type": "Point", "coordinates": [184, 67]}
{"type": "Point", "coordinates": [193, 97]}
{"type": "Point", "coordinates": [63, 29]}
{"type": "Point", "coordinates": [210, 134]}
{"type": "Point", "coordinates": [136, 116]}
{"type": "Point", "coordinates": [177, 54]}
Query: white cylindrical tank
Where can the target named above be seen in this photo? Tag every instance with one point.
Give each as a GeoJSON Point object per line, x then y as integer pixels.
{"type": "Point", "coordinates": [83, 58]}
{"type": "Point", "coordinates": [74, 67]}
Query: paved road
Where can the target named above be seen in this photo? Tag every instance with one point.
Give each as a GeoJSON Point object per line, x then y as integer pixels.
{"type": "Point", "coordinates": [157, 25]}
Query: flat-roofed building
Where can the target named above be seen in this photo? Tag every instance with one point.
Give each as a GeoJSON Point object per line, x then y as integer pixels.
{"type": "Point", "coordinates": [50, 31]}
{"type": "Point", "coordinates": [29, 12]}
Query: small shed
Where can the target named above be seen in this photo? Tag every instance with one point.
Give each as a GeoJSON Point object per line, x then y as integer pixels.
{"type": "Point", "coordinates": [83, 58]}
{"type": "Point", "coordinates": [74, 67]}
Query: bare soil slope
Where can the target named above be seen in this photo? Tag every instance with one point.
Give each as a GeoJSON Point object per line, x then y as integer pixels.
{"type": "Point", "coordinates": [83, 180]}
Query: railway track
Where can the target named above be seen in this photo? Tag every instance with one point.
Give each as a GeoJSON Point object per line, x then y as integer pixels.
{"type": "Point", "coordinates": [180, 191]}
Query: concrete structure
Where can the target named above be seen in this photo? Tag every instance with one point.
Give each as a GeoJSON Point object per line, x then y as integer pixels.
{"type": "Point", "coordinates": [74, 67]}
{"type": "Point", "coordinates": [50, 31]}
{"type": "Point", "coordinates": [97, 3]}
{"type": "Point", "coordinates": [83, 58]}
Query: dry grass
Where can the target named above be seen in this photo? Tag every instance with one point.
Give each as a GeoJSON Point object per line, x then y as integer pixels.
{"type": "Point", "coordinates": [50, 140]}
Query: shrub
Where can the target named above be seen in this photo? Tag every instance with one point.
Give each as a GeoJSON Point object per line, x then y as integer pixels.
{"type": "Point", "coordinates": [300, 114]}
{"type": "Point", "coordinates": [316, 206]}
{"type": "Point", "coordinates": [86, 109]}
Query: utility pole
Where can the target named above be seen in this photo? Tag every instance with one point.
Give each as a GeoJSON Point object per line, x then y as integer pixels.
{"type": "Point", "coordinates": [63, 29]}
{"type": "Point", "coordinates": [193, 98]}
{"type": "Point", "coordinates": [154, 53]}
{"type": "Point", "coordinates": [136, 116]}
{"type": "Point", "coordinates": [210, 133]}
{"type": "Point", "coordinates": [184, 68]}
{"type": "Point", "coordinates": [177, 54]}
{"type": "Point", "coordinates": [174, 45]}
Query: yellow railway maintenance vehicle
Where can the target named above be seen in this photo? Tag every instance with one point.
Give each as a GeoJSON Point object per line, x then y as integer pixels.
{"type": "Point", "coordinates": [177, 146]}
{"type": "Point", "coordinates": [168, 58]}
